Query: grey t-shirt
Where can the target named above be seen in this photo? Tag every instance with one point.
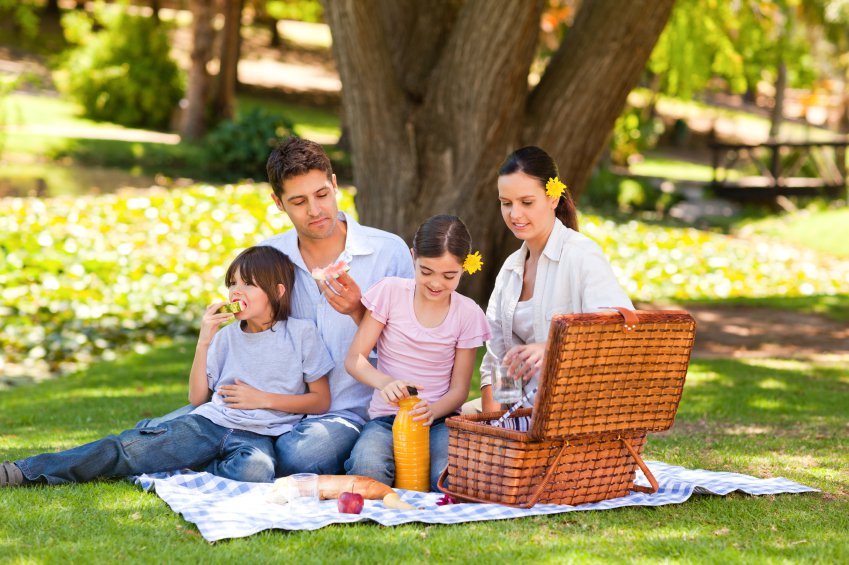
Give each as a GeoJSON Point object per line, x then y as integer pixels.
{"type": "Point", "coordinates": [281, 360]}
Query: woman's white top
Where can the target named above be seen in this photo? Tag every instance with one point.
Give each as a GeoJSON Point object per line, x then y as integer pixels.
{"type": "Point", "coordinates": [573, 276]}
{"type": "Point", "coordinates": [523, 322]}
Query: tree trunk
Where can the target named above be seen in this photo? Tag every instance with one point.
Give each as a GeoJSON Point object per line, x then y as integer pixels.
{"type": "Point", "coordinates": [154, 6]}
{"type": "Point", "coordinates": [224, 103]}
{"type": "Point", "coordinates": [777, 114]}
{"type": "Point", "coordinates": [435, 96]}
{"type": "Point", "coordinates": [194, 124]}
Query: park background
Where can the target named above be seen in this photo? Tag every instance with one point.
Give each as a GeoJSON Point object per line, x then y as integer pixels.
{"type": "Point", "coordinates": [132, 145]}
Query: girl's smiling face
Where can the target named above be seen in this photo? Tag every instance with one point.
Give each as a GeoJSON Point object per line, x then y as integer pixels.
{"type": "Point", "coordinates": [526, 210]}
{"type": "Point", "coordinates": [256, 308]}
{"type": "Point", "coordinates": [437, 277]}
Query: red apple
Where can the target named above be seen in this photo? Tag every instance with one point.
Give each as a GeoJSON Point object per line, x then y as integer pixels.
{"type": "Point", "coordinates": [350, 503]}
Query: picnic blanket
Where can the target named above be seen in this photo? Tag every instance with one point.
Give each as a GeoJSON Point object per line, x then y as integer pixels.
{"type": "Point", "coordinates": [222, 508]}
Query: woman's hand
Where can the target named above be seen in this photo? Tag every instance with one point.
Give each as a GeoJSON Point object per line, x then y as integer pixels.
{"type": "Point", "coordinates": [421, 412]}
{"type": "Point", "coordinates": [524, 360]}
{"type": "Point", "coordinates": [242, 396]}
{"type": "Point", "coordinates": [396, 391]}
{"type": "Point", "coordinates": [211, 322]}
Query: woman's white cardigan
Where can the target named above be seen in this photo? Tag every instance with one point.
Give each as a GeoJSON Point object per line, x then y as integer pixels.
{"type": "Point", "coordinates": [573, 276]}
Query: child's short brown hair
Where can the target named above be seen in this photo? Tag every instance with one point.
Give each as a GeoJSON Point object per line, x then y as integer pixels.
{"type": "Point", "coordinates": [266, 267]}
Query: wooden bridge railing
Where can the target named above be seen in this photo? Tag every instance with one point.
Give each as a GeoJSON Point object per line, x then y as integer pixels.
{"type": "Point", "coordinates": [778, 166]}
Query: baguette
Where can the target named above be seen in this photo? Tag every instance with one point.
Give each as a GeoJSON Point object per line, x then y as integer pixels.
{"type": "Point", "coordinates": [331, 486]}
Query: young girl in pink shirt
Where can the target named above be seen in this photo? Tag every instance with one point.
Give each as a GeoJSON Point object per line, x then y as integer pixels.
{"type": "Point", "coordinates": [426, 336]}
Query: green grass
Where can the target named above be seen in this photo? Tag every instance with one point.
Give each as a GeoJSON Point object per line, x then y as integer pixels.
{"type": "Point", "coordinates": [173, 160]}
{"type": "Point", "coordinates": [826, 231]}
{"type": "Point", "coordinates": [833, 306]}
{"type": "Point", "coordinates": [673, 169]}
{"type": "Point", "coordinates": [765, 417]}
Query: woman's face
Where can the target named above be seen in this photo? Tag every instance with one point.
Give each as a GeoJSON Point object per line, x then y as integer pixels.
{"type": "Point", "coordinates": [526, 210]}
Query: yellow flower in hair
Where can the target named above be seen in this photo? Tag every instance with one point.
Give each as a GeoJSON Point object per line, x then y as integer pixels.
{"type": "Point", "coordinates": [473, 262]}
{"type": "Point", "coordinates": [554, 188]}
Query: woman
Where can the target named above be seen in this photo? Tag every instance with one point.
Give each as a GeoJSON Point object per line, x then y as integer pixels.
{"type": "Point", "coordinates": [556, 271]}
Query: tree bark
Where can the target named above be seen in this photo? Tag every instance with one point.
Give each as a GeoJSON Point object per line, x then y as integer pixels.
{"type": "Point", "coordinates": [435, 97]}
{"type": "Point", "coordinates": [194, 123]}
{"type": "Point", "coordinates": [776, 116]}
{"type": "Point", "coordinates": [224, 102]}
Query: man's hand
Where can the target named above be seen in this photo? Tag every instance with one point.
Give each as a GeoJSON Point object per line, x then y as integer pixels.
{"type": "Point", "coordinates": [242, 396]}
{"type": "Point", "coordinates": [344, 295]}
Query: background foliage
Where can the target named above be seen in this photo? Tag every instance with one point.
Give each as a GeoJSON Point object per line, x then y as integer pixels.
{"type": "Point", "coordinates": [122, 72]}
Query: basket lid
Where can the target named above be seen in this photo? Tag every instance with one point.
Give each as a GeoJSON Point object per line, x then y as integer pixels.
{"type": "Point", "coordinates": [609, 373]}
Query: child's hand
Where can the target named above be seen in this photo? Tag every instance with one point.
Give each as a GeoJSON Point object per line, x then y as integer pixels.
{"type": "Point", "coordinates": [242, 396]}
{"type": "Point", "coordinates": [524, 360]}
{"type": "Point", "coordinates": [421, 412]}
{"type": "Point", "coordinates": [211, 321]}
{"type": "Point", "coordinates": [396, 391]}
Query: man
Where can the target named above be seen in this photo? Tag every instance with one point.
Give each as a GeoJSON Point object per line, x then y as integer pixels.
{"type": "Point", "coordinates": [305, 189]}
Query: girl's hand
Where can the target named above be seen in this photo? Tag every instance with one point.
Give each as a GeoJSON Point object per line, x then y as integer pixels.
{"type": "Point", "coordinates": [242, 396]}
{"type": "Point", "coordinates": [396, 391]}
{"type": "Point", "coordinates": [524, 360]}
{"type": "Point", "coordinates": [421, 412]}
{"type": "Point", "coordinates": [211, 321]}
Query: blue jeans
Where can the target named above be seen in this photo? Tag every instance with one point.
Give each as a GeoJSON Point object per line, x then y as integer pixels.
{"type": "Point", "coordinates": [188, 441]}
{"type": "Point", "coordinates": [373, 455]}
{"type": "Point", "coordinates": [316, 445]}
{"type": "Point", "coordinates": [154, 422]}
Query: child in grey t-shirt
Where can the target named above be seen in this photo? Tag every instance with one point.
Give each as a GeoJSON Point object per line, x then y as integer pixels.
{"type": "Point", "coordinates": [251, 381]}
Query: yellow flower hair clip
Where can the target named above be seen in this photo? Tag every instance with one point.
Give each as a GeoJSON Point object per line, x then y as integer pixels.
{"type": "Point", "coordinates": [473, 263]}
{"type": "Point", "coordinates": [554, 188]}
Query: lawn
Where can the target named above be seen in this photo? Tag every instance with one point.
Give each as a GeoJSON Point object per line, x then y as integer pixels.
{"type": "Point", "coordinates": [825, 231]}
{"type": "Point", "coordinates": [766, 418]}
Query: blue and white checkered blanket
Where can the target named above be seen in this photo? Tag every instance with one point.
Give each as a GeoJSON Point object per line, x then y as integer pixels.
{"type": "Point", "coordinates": [222, 508]}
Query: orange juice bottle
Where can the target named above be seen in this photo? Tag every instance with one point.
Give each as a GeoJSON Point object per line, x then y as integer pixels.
{"type": "Point", "coordinates": [411, 442]}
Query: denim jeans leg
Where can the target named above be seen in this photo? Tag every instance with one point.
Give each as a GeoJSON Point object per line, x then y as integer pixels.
{"type": "Point", "coordinates": [316, 445]}
{"type": "Point", "coordinates": [246, 456]}
{"type": "Point", "coordinates": [188, 441]}
{"type": "Point", "coordinates": [372, 455]}
{"type": "Point", "coordinates": [154, 422]}
{"type": "Point", "coordinates": [438, 451]}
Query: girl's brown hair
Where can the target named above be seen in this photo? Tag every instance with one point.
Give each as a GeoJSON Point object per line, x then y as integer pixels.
{"type": "Point", "coordinates": [266, 267]}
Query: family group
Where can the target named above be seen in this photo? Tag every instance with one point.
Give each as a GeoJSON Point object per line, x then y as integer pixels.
{"type": "Point", "coordinates": [308, 377]}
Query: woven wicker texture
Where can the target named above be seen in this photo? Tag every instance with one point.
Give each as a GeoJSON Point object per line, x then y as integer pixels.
{"type": "Point", "coordinates": [598, 378]}
{"type": "Point", "coordinates": [602, 386]}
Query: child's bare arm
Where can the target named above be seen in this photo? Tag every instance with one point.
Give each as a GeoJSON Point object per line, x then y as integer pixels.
{"type": "Point", "coordinates": [199, 392]}
{"type": "Point", "coordinates": [245, 397]}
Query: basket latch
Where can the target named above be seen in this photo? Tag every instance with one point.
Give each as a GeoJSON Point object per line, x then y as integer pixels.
{"type": "Point", "coordinates": [631, 319]}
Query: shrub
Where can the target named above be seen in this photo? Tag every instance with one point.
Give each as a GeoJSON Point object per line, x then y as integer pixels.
{"type": "Point", "coordinates": [239, 149]}
{"type": "Point", "coordinates": [122, 73]}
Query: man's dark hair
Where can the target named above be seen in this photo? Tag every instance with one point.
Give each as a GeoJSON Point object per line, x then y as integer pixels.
{"type": "Point", "coordinates": [295, 157]}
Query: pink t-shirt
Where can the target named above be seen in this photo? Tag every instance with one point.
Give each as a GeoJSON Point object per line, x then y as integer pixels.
{"type": "Point", "coordinates": [408, 351]}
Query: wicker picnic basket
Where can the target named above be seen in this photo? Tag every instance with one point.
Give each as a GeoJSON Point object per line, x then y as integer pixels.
{"type": "Point", "coordinates": [607, 380]}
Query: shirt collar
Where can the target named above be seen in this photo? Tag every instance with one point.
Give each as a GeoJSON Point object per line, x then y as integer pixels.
{"type": "Point", "coordinates": [356, 239]}
{"type": "Point", "coordinates": [559, 233]}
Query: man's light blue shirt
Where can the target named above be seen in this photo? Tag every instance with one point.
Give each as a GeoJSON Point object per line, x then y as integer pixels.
{"type": "Point", "coordinates": [372, 254]}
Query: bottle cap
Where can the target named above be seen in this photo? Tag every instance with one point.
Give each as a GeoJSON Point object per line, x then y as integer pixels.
{"type": "Point", "coordinates": [413, 391]}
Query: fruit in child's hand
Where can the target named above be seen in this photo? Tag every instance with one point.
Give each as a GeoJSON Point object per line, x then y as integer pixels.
{"type": "Point", "coordinates": [331, 271]}
{"type": "Point", "coordinates": [350, 503]}
{"type": "Point", "coordinates": [230, 308]}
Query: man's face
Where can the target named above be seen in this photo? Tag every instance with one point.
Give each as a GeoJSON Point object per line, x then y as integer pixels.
{"type": "Point", "coordinates": [310, 202]}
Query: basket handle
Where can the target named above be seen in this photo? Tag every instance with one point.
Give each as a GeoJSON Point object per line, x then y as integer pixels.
{"type": "Point", "coordinates": [643, 467]}
{"type": "Point", "coordinates": [631, 319]}
{"type": "Point", "coordinates": [440, 484]}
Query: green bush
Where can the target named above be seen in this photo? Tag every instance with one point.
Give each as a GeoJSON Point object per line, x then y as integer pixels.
{"type": "Point", "coordinates": [122, 73]}
{"type": "Point", "coordinates": [239, 149]}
